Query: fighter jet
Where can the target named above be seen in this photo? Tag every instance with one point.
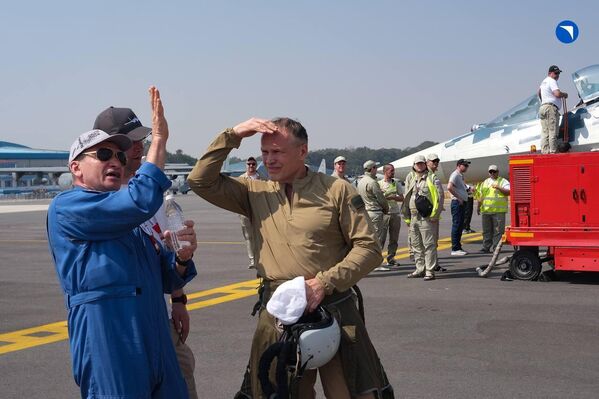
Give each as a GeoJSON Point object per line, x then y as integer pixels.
{"type": "Point", "coordinates": [515, 131]}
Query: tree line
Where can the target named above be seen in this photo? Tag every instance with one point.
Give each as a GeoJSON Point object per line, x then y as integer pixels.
{"type": "Point", "coordinates": [355, 156]}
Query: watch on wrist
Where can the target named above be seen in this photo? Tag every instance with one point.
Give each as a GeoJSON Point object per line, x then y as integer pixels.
{"type": "Point", "coordinates": [184, 263]}
{"type": "Point", "coordinates": [180, 299]}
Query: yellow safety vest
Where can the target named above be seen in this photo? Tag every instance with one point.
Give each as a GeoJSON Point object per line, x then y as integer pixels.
{"type": "Point", "coordinates": [492, 200]}
{"type": "Point", "coordinates": [434, 195]}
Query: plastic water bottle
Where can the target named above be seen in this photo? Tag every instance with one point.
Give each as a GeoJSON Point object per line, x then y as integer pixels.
{"type": "Point", "coordinates": [175, 221]}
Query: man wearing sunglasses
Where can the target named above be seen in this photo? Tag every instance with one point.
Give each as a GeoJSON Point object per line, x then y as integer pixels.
{"type": "Point", "coordinates": [310, 225]}
{"type": "Point", "coordinates": [550, 96]}
{"type": "Point", "coordinates": [246, 223]}
{"type": "Point", "coordinates": [110, 272]}
{"type": "Point", "coordinates": [493, 205]}
{"type": "Point", "coordinates": [124, 121]}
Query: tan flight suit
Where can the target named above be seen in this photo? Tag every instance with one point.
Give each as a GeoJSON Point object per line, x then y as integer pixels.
{"type": "Point", "coordinates": [436, 219]}
{"type": "Point", "coordinates": [322, 233]}
{"type": "Point", "coordinates": [246, 227]}
{"type": "Point", "coordinates": [334, 174]}
{"type": "Point", "coordinates": [393, 219]}
{"type": "Point", "coordinates": [376, 205]}
{"type": "Point", "coordinates": [423, 236]}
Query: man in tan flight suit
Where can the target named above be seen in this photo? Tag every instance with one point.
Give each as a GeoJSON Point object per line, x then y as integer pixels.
{"type": "Point", "coordinates": [309, 225]}
{"type": "Point", "coordinates": [423, 228]}
{"type": "Point", "coordinates": [374, 199]}
{"type": "Point", "coordinates": [246, 225]}
{"type": "Point", "coordinates": [432, 163]}
{"type": "Point", "coordinates": [339, 166]}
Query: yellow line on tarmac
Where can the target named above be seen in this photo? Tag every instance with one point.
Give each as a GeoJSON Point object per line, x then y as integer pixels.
{"type": "Point", "coordinates": [444, 243]}
{"type": "Point", "coordinates": [55, 332]}
{"type": "Point", "coordinates": [35, 336]}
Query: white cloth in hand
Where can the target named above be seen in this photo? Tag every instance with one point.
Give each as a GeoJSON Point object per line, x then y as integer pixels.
{"type": "Point", "coordinates": [288, 302]}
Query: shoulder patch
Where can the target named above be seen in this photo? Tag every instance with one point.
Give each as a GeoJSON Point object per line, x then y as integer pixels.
{"type": "Point", "coordinates": [357, 202]}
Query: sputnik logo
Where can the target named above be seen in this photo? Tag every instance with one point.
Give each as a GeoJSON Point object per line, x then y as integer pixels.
{"type": "Point", "coordinates": [566, 32]}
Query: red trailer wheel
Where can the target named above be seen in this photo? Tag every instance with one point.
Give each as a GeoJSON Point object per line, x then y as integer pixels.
{"type": "Point", "coordinates": [525, 264]}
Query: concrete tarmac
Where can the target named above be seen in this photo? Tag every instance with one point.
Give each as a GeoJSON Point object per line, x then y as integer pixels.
{"type": "Point", "coordinates": [459, 336]}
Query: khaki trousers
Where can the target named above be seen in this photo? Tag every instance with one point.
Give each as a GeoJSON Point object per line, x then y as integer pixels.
{"type": "Point", "coordinates": [186, 361]}
{"type": "Point", "coordinates": [333, 382]}
{"type": "Point", "coordinates": [246, 230]}
{"type": "Point", "coordinates": [549, 115]}
{"type": "Point", "coordinates": [392, 226]}
{"type": "Point", "coordinates": [378, 222]}
{"type": "Point", "coordinates": [493, 229]}
{"type": "Point", "coordinates": [435, 223]}
{"type": "Point", "coordinates": [424, 244]}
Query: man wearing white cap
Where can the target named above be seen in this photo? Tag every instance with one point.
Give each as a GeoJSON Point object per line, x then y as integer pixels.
{"type": "Point", "coordinates": [421, 208]}
{"type": "Point", "coordinates": [376, 204]}
{"type": "Point", "coordinates": [492, 205]}
{"type": "Point", "coordinates": [113, 275]}
{"type": "Point", "coordinates": [339, 168]}
{"type": "Point", "coordinates": [432, 163]}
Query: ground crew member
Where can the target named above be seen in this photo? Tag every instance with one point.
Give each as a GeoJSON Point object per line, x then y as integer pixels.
{"type": "Point", "coordinates": [339, 166]}
{"type": "Point", "coordinates": [311, 225]}
{"type": "Point", "coordinates": [112, 274]}
{"type": "Point", "coordinates": [469, 210]}
{"type": "Point", "coordinates": [124, 121]}
{"type": "Point", "coordinates": [459, 196]}
{"type": "Point", "coordinates": [493, 205]}
{"type": "Point", "coordinates": [411, 175]}
{"type": "Point", "coordinates": [374, 199]}
{"type": "Point", "coordinates": [390, 188]}
{"type": "Point", "coordinates": [432, 164]}
{"type": "Point", "coordinates": [550, 96]}
{"type": "Point", "coordinates": [422, 228]}
{"type": "Point", "coordinates": [246, 223]}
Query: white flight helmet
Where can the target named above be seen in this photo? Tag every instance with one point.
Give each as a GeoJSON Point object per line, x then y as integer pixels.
{"type": "Point", "coordinates": [318, 336]}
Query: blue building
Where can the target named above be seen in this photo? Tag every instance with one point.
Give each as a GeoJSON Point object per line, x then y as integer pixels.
{"type": "Point", "coordinates": [22, 166]}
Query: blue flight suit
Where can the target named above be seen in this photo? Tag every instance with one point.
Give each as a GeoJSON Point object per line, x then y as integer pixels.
{"type": "Point", "coordinates": [114, 276]}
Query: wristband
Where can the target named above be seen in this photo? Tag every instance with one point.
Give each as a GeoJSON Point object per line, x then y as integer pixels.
{"type": "Point", "coordinates": [181, 262]}
{"type": "Point", "coordinates": [180, 299]}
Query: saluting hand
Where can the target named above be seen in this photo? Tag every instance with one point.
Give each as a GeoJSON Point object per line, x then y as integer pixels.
{"type": "Point", "coordinates": [314, 294]}
{"type": "Point", "coordinates": [253, 126]}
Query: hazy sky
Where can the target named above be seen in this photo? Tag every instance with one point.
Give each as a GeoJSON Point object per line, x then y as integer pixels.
{"type": "Point", "coordinates": [355, 73]}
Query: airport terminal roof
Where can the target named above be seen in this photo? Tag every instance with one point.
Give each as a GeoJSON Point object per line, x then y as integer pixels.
{"type": "Point", "coordinates": [17, 151]}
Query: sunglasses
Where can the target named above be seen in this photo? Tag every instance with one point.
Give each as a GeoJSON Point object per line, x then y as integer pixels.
{"type": "Point", "coordinates": [251, 164]}
{"type": "Point", "coordinates": [106, 154]}
{"type": "Point", "coordinates": [493, 171]}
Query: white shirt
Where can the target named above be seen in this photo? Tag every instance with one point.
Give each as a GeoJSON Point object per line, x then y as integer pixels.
{"type": "Point", "coordinates": [505, 184]}
{"type": "Point", "coordinates": [152, 228]}
{"type": "Point", "coordinates": [548, 85]}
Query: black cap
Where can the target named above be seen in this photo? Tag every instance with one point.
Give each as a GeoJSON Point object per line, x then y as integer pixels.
{"type": "Point", "coordinates": [121, 121]}
{"type": "Point", "coordinates": [554, 68]}
{"type": "Point", "coordinates": [463, 162]}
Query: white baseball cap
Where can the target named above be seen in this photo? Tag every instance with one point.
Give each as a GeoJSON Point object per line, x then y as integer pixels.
{"type": "Point", "coordinates": [93, 137]}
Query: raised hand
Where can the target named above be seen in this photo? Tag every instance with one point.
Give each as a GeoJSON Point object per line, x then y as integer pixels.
{"type": "Point", "coordinates": [159, 124]}
{"type": "Point", "coordinates": [253, 126]}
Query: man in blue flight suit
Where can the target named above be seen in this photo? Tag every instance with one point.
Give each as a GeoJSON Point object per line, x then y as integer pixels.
{"type": "Point", "coordinates": [112, 274]}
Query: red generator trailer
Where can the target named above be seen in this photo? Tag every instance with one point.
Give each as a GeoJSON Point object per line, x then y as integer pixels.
{"type": "Point", "coordinates": [554, 203]}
